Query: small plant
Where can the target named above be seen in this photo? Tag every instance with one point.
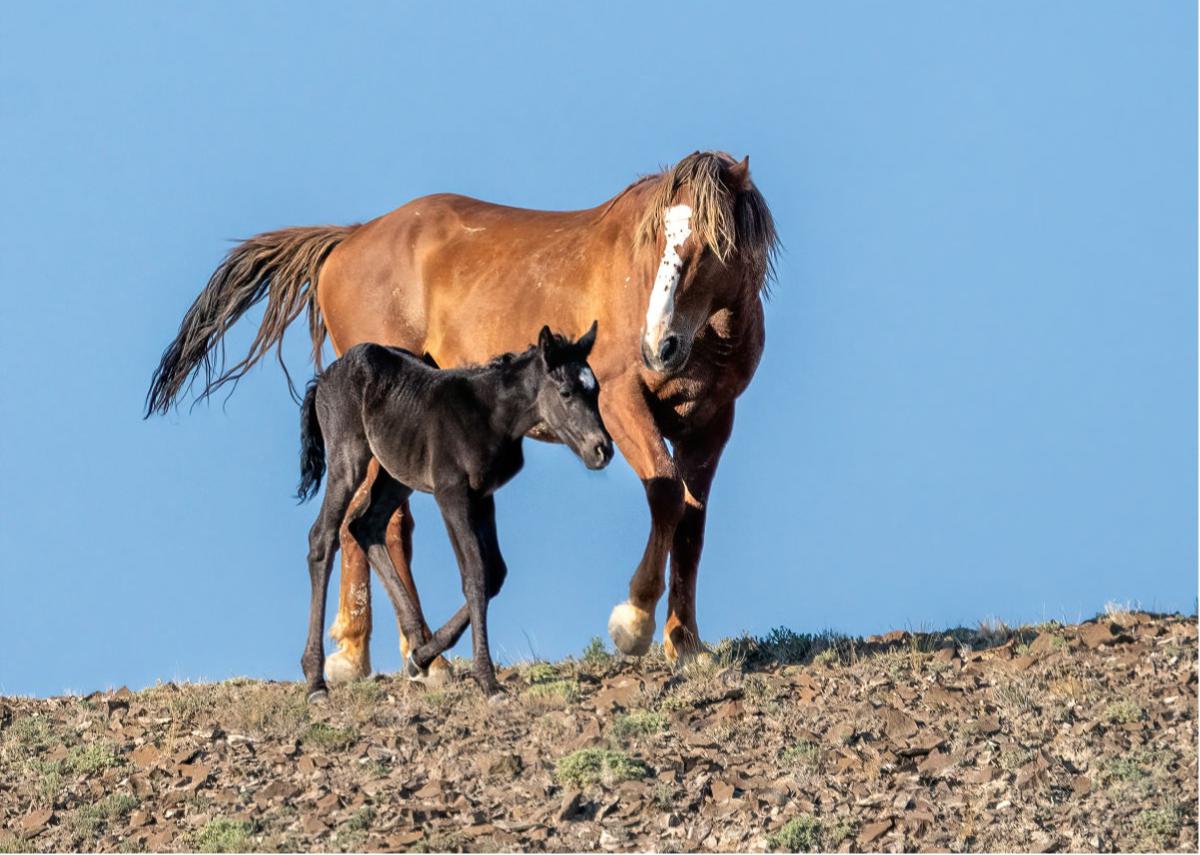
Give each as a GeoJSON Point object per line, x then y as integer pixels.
{"type": "Point", "coordinates": [828, 657]}
{"type": "Point", "coordinates": [226, 835]}
{"type": "Point", "coordinates": [802, 755]}
{"type": "Point", "coordinates": [27, 736]}
{"type": "Point", "coordinates": [801, 834]}
{"type": "Point", "coordinates": [664, 796]}
{"type": "Point", "coordinates": [89, 820]}
{"type": "Point", "coordinates": [638, 723]}
{"type": "Point", "coordinates": [598, 765]}
{"type": "Point", "coordinates": [90, 759]}
{"type": "Point", "coordinates": [1124, 712]}
{"type": "Point", "coordinates": [596, 652]}
{"type": "Point", "coordinates": [365, 692]}
{"type": "Point", "coordinates": [565, 691]}
{"type": "Point", "coordinates": [351, 833]}
{"type": "Point", "coordinates": [1159, 827]}
{"type": "Point", "coordinates": [329, 738]}
{"type": "Point", "coordinates": [1125, 769]}
{"type": "Point", "coordinates": [541, 672]}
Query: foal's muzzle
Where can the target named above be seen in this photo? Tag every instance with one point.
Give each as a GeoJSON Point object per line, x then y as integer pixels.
{"type": "Point", "coordinates": [601, 454]}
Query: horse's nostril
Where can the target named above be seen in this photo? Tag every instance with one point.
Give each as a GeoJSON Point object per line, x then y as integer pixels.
{"type": "Point", "coordinates": [601, 452]}
{"type": "Point", "coordinates": [668, 348]}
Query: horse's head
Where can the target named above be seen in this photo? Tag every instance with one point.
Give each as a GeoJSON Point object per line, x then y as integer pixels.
{"type": "Point", "coordinates": [568, 397]}
{"type": "Point", "coordinates": [713, 238]}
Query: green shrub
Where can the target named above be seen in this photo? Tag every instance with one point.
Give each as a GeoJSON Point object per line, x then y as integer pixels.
{"type": "Point", "coordinates": [327, 737]}
{"type": "Point", "coordinates": [598, 765]}
{"type": "Point", "coordinates": [801, 834]}
{"type": "Point", "coordinates": [596, 652]}
{"type": "Point", "coordinates": [226, 835]}
{"type": "Point", "coordinates": [632, 725]}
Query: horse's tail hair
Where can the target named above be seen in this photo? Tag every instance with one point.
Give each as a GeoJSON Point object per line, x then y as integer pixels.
{"type": "Point", "coordinates": [312, 446]}
{"type": "Point", "coordinates": [282, 266]}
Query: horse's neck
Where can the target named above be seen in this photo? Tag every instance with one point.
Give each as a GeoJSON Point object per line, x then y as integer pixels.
{"type": "Point", "coordinates": [510, 395]}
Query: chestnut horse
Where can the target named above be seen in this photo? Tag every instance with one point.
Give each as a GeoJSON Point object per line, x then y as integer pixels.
{"type": "Point", "coordinates": [674, 267]}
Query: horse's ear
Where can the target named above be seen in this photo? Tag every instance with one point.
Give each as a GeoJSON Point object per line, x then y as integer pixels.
{"type": "Point", "coordinates": [588, 339]}
{"type": "Point", "coordinates": [546, 344]}
{"type": "Point", "coordinates": [738, 176]}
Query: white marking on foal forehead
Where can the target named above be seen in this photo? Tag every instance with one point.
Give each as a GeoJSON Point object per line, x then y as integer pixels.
{"type": "Point", "coordinates": [587, 379]}
{"type": "Point", "coordinates": [677, 226]}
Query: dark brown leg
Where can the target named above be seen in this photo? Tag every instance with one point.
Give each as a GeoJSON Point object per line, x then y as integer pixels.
{"type": "Point", "coordinates": [697, 457]}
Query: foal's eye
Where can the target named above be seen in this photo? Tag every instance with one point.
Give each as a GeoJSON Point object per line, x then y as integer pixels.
{"type": "Point", "coordinates": [566, 393]}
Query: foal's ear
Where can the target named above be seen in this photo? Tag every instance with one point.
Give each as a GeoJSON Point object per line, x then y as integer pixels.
{"type": "Point", "coordinates": [584, 345]}
{"type": "Point", "coordinates": [546, 343]}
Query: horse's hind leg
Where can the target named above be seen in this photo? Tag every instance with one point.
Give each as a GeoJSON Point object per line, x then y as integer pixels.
{"type": "Point", "coordinates": [399, 547]}
{"type": "Point", "coordinates": [371, 529]}
{"type": "Point", "coordinates": [322, 544]}
{"type": "Point", "coordinates": [352, 627]}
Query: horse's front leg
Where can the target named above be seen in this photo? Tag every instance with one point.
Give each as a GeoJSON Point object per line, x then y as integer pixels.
{"type": "Point", "coordinates": [697, 456]}
{"type": "Point", "coordinates": [636, 433]}
{"type": "Point", "coordinates": [352, 627]}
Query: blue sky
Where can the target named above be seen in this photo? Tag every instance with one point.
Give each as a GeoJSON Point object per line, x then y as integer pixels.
{"type": "Point", "coordinates": [978, 396]}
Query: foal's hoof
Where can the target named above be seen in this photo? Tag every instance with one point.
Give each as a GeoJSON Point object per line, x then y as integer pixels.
{"type": "Point", "coordinates": [631, 629]}
{"type": "Point", "coordinates": [416, 674]}
{"type": "Point", "coordinates": [342, 666]}
{"type": "Point", "coordinates": [318, 696]}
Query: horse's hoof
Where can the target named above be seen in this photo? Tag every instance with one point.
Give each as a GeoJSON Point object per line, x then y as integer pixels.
{"type": "Point", "coordinates": [341, 667]}
{"type": "Point", "coordinates": [318, 696]}
{"type": "Point", "coordinates": [438, 674]}
{"type": "Point", "coordinates": [631, 629]}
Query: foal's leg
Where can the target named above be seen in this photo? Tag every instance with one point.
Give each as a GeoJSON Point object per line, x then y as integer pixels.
{"type": "Point", "coordinates": [352, 627]}
{"type": "Point", "coordinates": [467, 519]}
{"type": "Point", "coordinates": [370, 530]}
{"type": "Point", "coordinates": [399, 547]}
{"type": "Point", "coordinates": [697, 456]}
{"type": "Point", "coordinates": [623, 405]}
{"type": "Point", "coordinates": [322, 543]}
{"type": "Point", "coordinates": [483, 521]}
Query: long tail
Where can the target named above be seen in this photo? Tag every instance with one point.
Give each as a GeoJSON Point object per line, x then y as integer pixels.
{"type": "Point", "coordinates": [282, 266]}
{"type": "Point", "coordinates": [312, 446]}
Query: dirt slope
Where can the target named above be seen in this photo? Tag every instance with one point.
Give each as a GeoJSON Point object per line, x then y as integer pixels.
{"type": "Point", "coordinates": [1051, 737]}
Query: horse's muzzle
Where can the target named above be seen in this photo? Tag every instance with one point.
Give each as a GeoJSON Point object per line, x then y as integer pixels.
{"type": "Point", "coordinates": [671, 356]}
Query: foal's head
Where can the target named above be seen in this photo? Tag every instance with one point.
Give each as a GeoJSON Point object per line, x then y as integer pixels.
{"type": "Point", "coordinates": [713, 240]}
{"type": "Point", "coordinates": [568, 396]}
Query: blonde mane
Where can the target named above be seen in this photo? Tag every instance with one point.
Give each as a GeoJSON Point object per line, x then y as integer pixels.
{"type": "Point", "coordinates": [734, 226]}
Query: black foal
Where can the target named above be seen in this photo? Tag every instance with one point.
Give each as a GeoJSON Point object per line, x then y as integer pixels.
{"type": "Point", "coordinates": [456, 434]}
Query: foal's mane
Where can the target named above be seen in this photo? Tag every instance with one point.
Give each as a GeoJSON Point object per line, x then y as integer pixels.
{"type": "Point", "coordinates": [735, 226]}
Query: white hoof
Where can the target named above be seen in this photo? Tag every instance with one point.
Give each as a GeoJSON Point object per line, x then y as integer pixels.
{"type": "Point", "coordinates": [340, 668]}
{"type": "Point", "coordinates": [631, 629]}
{"type": "Point", "coordinates": [438, 674]}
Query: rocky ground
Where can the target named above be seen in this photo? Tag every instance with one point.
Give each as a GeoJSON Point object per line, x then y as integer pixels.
{"type": "Point", "coordinates": [1035, 739]}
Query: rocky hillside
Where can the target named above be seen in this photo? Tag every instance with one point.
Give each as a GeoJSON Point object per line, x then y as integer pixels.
{"type": "Point", "coordinates": [1036, 739]}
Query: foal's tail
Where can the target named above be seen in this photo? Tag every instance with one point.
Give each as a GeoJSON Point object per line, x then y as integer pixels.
{"type": "Point", "coordinates": [282, 266]}
{"type": "Point", "coordinates": [312, 445]}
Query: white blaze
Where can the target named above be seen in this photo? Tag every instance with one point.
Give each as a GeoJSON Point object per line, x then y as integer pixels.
{"type": "Point", "coordinates": [676, 226]}
{"type": "Point", "coordinates": [587, 379]}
